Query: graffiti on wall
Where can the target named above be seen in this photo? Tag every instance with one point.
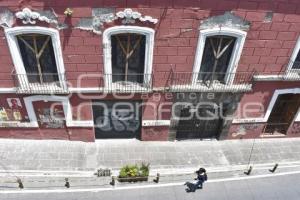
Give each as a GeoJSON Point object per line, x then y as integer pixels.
{"type": "Point", "coordinates": [243, 129]}
{"type": "Point", "coordinates": [51, 118]}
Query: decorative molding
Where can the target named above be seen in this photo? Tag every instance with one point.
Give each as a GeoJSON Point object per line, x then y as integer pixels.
{"type": "Point", "coordinates": [228, 19]}
{"type": "Point", "coordinates": [148, 32]}
{"type": "Point", "coordinates": [11, 34]}
{"type": "Point", "coordinates": [129, 16]}
{"type": "Point", "coordinates": [30, 17]}
{"type": "Point", "coordinates": [236, 53]}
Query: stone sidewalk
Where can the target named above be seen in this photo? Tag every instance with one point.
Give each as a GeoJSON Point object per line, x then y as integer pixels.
{"type": "Point", "coordinates": [66, 156]}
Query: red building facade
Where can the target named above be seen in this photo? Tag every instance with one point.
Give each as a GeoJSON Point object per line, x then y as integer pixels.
{"type": "Point", "coordinates": [152, 70]}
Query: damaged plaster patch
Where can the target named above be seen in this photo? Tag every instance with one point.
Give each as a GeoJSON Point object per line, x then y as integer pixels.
{"type": "Point", "coordinates": [228, 20]}
{"type": "Point", "coordinates": [95, 23]}
{"type": "Point", "coordinates": [6, 18]}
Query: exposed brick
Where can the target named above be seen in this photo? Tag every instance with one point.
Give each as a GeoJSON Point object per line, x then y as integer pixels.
{"type": "Point", "coordinates": [295, 27]}
{"type": "Point", "coordinates": [274, 44]}
{"type": "Point", "coordinates": [137, 3]}
{"type": "Point", "coordinates": [256, 67]}
{"type": "Point", "coordinates": [186, 51]}
{"type": "Point", "coordinates": [163, 67]}
{"type": "Point", "coordinates": [166, 51]}
{"type": "Point", "coordinates": [74, 59]}
{"type": "Point", "coordinates": [278, 17]}
{"type": "Point", "coordinates": [248, 5]}
{"type": "Point", "coordinates": [289, 44]}
{"type": "Point", "coordinates": [282, 60]}
{"type": "Point", "coordinates": [177, 59]}
{"type": "Point", "coordinates": [253, 35]}
{"type": "Point", "coordinates": [82, 12]}
{"type": "Point", "coordinates": [87, 67]}
{"type": "Point", "coordinates": [93, 59]}
{"type": "Point", "coordinates": [260, 26]}
{"type": "Point", "coordinates": [179, 42]}
{"type": "Point", "coordinates": [92, 41]}
{"type": "Point", "coordinates": [248, 51]}
{"type": "Point", "coordinates": [267, 35]}
{"type": "Point", "coordinates": [250, 59]}
{"type": "Point", "coordinates": [227, 5]}
{"type": "Point", "coordinates": [262, 51]}
{"type": "Point", "coordinates": [279, 26]}
{"type": "Point", "coordinates": [73, 41]}
{"type": "Point", "coordinates": [160, 59]}
{"type": "Point", "coordinates": [255, 16]}
{"type": "Point", "coordinates": [267, 60]}
{"type": "Point", "coordinates": [292, 18]}
{"type": "Point", "coordinates": [286, 8]}
{"type": "Point", "coordinates": [286, 36]}
{"type": "Point", "coordinates": [279, 52]}
{"type": "Point", "coordinates": [183, 23]}
{"type": "Point", "coordinates": [255, 43]}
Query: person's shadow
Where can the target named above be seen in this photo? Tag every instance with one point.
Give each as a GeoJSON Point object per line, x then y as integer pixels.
{"type": "Point", "coordinates": [191, 187]}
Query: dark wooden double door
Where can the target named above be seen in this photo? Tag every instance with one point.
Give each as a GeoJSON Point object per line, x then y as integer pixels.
{"type": "Point", "coordinates": [117, 119]}
{"type": "Point", "coordinates": [283, 114]}
{"type": "Point", "coordinates": [201, 125]}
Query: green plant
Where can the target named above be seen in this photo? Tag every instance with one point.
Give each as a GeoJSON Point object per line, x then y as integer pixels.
{"type": "Point", "coordinates": [134, 171]}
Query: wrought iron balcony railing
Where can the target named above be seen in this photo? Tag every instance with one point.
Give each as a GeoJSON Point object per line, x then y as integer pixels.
{"type": "Point", "coordinates": [289, 75]}
{"type": "Point", "coordinates": [34, 83]}
{"type": "Point", "coordinates": [126, 83]}
{"type": "Point", "coordinates": [207, 81]}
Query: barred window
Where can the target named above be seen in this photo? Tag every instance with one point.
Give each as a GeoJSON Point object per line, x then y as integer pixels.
{"type": "Point", "coordinates": [38, 57]}
{"type": "Point", "coordinates": [216, 57]}
{"type": "Point", "coordinates": [128, 57]}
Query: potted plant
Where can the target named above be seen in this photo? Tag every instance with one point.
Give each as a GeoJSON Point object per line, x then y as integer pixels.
{"type": "Point", "coordinates": [134, 173]}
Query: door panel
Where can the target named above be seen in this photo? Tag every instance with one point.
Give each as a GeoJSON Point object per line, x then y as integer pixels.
{"type": "Point", "coordinates": [117, 119]}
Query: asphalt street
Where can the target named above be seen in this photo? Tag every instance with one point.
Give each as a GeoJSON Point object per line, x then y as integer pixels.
{"type": "Point", "coordinates": [285, 187]}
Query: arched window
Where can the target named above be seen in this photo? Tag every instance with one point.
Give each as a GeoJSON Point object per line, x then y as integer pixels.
{"type": "Point", "coordinates": [218, 54]}
{"type": "Point", "coordinates": [128, 55]}
{"type": "Point", "coordinates": [37, 56]}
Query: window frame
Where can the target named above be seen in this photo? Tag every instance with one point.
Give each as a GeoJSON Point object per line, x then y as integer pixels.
{"type": "Point", "coordinates": [294, 56]}
{"type": "Point", "coordinates": [236, 53]}
{"type": "Point", "coordinates": [11, 35]}
{"type": "Point", "coordinates": [107, 55]}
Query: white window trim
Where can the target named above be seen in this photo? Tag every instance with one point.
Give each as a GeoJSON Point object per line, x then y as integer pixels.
{"type": "Point", "coordinates": [294, 56]}
{"type": "Point", "coordinates": [28, 101]}
{"type": "Point", "coordinates": [236, 53]}
{"type": "Point", "coordinates": [11, 34]}
{"type": "Point", "coordinates": [270, 108]}
{"type": "Point", "coordinates": [148, 32]}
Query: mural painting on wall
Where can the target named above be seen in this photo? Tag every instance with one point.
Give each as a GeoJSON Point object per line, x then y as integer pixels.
{"type": "Point", "coordinates": [50, 116]}
{"type": "Point", "coordinates": [3, 114]}
{"type": "Point", "coordinates": [15, 107]}
{"type": "Point", "coordinates": [12, 112]}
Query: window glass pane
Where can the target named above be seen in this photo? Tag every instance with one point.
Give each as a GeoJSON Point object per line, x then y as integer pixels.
{"type": "Point", "coordinates": [42, 55]}
{"type": "Point", "coordinates": [296, 64]}
{"type": "Point", "coordinates": [131, 46]}
{"type": "Point", "coordinates": [216, 57]}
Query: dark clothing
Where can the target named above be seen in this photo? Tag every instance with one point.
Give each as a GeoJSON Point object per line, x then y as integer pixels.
{"type": "Point", "coordinates": [201, 178]}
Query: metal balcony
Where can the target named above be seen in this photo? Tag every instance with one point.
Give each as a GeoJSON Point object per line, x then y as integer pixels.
{"type": "Point", "coordinates": [121, 83]}
{"type": "Point", "coordinates": [211, 82]}
{"type": "Point", "coordinates": [46, 83]}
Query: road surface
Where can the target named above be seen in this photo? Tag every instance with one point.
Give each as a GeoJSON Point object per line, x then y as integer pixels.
{"type": "Point", "coordinates": [283, 187]}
